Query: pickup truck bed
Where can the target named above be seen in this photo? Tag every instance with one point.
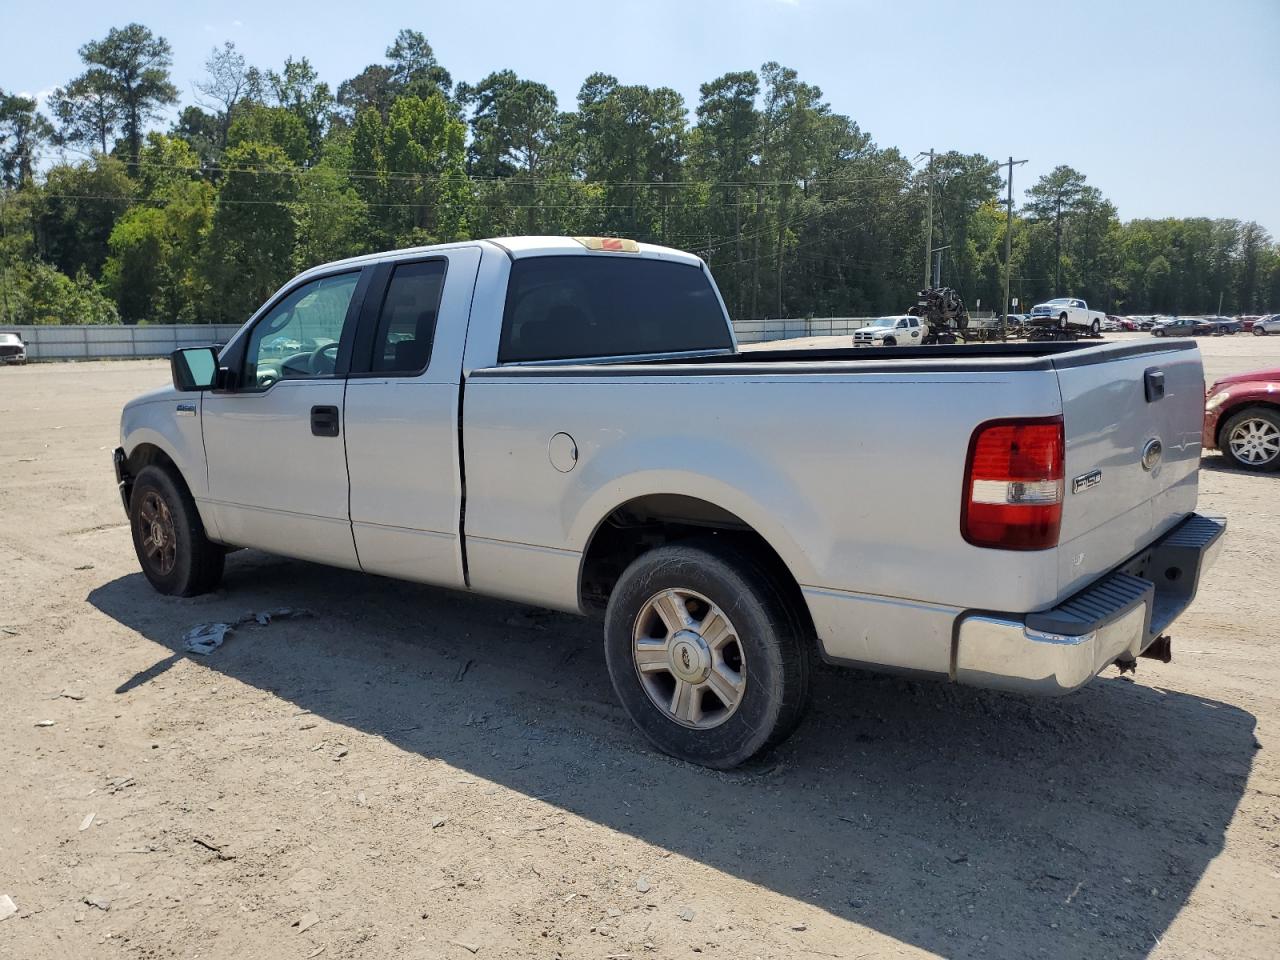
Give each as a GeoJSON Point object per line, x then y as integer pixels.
{"type": "Point", "coordinates": [935, 510]}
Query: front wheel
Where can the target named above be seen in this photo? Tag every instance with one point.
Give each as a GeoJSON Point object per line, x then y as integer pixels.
{"type": "Point", "coordinates": [1062, 322]}
{"type": "Point", "coordinates": [1095, 328]}
{"type": "Point", "coordinates": [169, 538]}
{"type": "Point", "coordinates": [890, 342]}
{"type": "Point", "coordinates": [707, 654]}
{"type": "Point", "coordinates": [1259, 331]}
{"type": "Point", "coordinates": [1251, 439]}
{"type": "Point", "coordinates": [1157, 333]}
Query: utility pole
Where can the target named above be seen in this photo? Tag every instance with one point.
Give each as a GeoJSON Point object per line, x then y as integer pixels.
{"type": "Point", "coordinates": [928, 229]}
{"type": "Point", "coordinates": [937, 264]}
{"type": "Point", "coordinates": [1008, 250]}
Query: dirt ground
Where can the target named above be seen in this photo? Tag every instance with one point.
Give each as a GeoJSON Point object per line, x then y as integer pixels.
{"type": "Point", "coordinates": [412, 773]}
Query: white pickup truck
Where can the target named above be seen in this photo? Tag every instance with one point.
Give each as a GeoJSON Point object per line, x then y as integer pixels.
{"type": "Point", "coordinates": [568, 423]}
{"type": "Point", "coordinates": [902, 331]}
{"type": "Point", "coordinates": [1067, 313]}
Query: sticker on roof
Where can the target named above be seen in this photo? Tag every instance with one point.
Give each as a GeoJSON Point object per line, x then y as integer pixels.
{"type": "Point", "coordinates": [609, 244]}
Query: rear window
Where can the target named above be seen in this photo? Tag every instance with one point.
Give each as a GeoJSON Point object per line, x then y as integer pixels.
{"type": "Point", "coordinates": [571, 307]}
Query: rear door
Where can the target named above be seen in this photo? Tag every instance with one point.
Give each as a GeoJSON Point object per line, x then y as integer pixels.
{"type": "Point", "coordinates": [274, 446]}
{"type": "Point", "coordinates": [1132, 427]}
{"type": "Point", "coordinates": [402, 417]}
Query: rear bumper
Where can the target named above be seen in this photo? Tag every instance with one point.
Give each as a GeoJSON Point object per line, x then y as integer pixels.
{"type": "Point", "coordinates": [1115, 618]}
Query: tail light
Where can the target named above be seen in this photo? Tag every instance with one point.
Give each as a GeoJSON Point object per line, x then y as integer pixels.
{"type": "Point", "coordinates": [1013, 484]}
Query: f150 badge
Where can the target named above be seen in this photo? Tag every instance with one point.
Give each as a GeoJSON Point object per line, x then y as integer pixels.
{"type": "Point", "coordinates": [186, 410]}
{"type": "Point", "coordinates": [1086, 480]}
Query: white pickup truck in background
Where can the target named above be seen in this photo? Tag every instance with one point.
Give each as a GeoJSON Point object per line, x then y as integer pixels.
{"type": "Point", "coordinates": [568, 423]}
{"type": "Point", "coordinates": [1067, 313]}
{"type": "Point", "coordinates": [903, 331]}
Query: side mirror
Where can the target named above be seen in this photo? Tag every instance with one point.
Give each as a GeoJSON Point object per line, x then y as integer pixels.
{"type": "Point", "coordinates": [193, 368]}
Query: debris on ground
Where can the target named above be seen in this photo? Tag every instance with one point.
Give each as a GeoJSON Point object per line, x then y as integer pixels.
{"type": "Point", "coordinates": [687, 914]}
{"type": "Point", "coordinates": [86, 823]}
{"type": "Point", "coordinates": [99, 901]}
{"type": "Point", "coordinates": [469, 947]}
{"type": "Point", "coordinates": [204, 638]}
{"type": "Point", "coordinates": [71, 695]}
{"type": "Point", "coordinates": [306, 922]}
{"type": "Point", "coordinates": [643, 885]}
{"type": "Point", "coordinates": [218, 848]}
{"type": "Point", "coordinates": [44, 723]}
{"type": "Point", "coordinates": [7, 907]}
{"type": "Point", "coordinates": [462, 671]}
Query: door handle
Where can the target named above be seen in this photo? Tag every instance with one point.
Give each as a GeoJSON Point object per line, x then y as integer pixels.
{"type": "Point", "coordinates": [324, 421]}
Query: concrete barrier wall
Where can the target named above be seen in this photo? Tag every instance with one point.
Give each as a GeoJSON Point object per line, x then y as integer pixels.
{"type": "Point", "coordinates": [755, 331]}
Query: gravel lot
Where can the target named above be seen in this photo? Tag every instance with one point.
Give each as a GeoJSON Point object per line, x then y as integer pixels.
{"type": "Point", "coordinates": [421, 774]}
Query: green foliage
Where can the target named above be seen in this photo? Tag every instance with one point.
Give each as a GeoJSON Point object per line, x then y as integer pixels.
{"type": "Point", "coordinates": [22, 130]}
{"type": "Point", "coordinates": [270, 125]}
{"type": "Point", "coordinates": [45, 295]}
{"type": "Point", "coordinates": [249, 253]}
{"type": "Point", "coordinates": [796, 209]}
{"type": "Point", "coordinates": [79, 208]}
{"type": "Point", "coordinates": [153, 271]}
{"type": "Point", "coordinates": [130, 68]}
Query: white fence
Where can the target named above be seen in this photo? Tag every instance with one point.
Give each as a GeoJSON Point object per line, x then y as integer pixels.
{"type": "Point", "coordinates": [755, 331]}
{"type": "Point", "coordinates": [117, 341]}
{"type": "Point", "coordinates": [98, 342]}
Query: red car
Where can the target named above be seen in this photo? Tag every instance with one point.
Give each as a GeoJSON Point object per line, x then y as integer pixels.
{"type": "Point", "coordinates": [1242, 419]}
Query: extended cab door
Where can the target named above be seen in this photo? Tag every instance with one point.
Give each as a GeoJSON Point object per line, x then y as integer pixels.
{"type": "Point", "coordinates": [274, 443]}
{"type": "Point", "coordinates": [402, 417]}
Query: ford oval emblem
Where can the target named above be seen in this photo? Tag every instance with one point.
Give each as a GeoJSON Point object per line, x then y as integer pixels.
{"type": "Point", "coordinates": [1151, 453]}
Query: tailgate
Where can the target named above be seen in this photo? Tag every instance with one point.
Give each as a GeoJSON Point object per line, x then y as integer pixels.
{"type": "Point", "coordinates": [1117, 403]}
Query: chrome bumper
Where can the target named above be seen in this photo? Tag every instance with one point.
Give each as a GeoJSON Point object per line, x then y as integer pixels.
{"type": "Point", "coordinates": [1115, 618]}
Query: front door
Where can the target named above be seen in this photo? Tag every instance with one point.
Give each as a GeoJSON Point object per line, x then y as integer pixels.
{"type": "Point", "coordinates": [277, 462]}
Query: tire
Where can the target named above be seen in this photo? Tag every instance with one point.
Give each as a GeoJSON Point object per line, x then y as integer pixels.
{"type": "Point", "coordinates": [1062, 322]}
{"type": "Point", "coordinates": [765, 639]}
{"type": "Point", "coordinates": [1095, 328]}
{"type": "Point", "coordinates": [1157, 333]}
{"type": "Point", "coordinates": [1259, 331]}
{"type": "Point", "coordinates": [1250, 439]}
{"type": "Point", "coordinates": [890, 342]}
{"type": "Point", "coordinates": [168, 536]}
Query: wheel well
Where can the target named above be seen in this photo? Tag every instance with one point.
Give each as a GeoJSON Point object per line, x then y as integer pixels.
{"type": "Point", "coordinates": [147, 455]}
{"type": "Point", "coordinates": [1231, 411]}
{"type": "Point", "coordinates": [647, 522]}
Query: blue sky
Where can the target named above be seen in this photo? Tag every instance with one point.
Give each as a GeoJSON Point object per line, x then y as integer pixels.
{"type": "Point", "coordinates": [1170, 108]}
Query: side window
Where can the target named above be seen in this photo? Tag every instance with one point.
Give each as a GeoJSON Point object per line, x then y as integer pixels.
{"type": "Point", "coordinates": [902, 324]}
{"type": "Point", "coordinates": [407, 321]}
{"type": "Point", "coordinates": [298, 339]}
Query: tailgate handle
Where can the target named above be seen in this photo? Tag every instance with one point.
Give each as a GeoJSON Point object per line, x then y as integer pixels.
{"type": "Point", "coordinates": [1154, 381]}
{"type": "Point", "coordinates": [324, 421]}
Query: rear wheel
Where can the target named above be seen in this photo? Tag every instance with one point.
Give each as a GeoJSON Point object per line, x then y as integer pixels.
{"type": "Point", "coordinates": [1157, 332]}
{"type": "Point", "coordinates": [1250, 439]}
{"type": "Point", "coordinates": [1095, 328]}
{"type": "Point", "coordinates": [169, 538]}
{"type": "Point", "coordinates": [1062, 321]}
{"type": "Point", "coordinates": [707, 654]}
{"type": "Point", "coordinates": [1259, 330]}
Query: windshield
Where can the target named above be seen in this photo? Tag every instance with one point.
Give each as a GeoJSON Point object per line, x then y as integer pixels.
{"type": "Point", "coordinates": [1061, 300]}
{"type": "Point", "coordinates": [883, 322]}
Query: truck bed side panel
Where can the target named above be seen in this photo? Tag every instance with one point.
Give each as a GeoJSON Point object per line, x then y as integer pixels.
{"type": "Point", "coordinates": [854, 478]}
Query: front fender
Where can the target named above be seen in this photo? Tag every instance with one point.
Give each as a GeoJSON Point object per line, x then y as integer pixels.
{"type": "Point", "coordinates": [161, 423]}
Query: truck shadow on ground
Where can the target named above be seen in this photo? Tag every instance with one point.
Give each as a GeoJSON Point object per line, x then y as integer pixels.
{"type": "Point", "coordinates": [951, 819]}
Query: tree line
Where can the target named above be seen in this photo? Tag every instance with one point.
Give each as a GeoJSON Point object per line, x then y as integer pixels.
{"type": "Point", "coordinates": [105, 217]}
